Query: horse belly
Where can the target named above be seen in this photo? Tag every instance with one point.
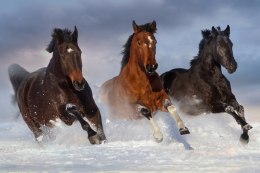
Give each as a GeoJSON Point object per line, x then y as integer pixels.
{"type": "Point", "coordinates": [118, 100]}
{"type": "Point", "coordinates": [192, 105]}
{"type": "Point", "coordinates": [181, 87]}
{"type": "Point", "coordinates": [182, 91]}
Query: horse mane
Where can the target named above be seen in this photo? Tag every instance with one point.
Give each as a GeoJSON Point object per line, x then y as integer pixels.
{"type": "Point", "coordinates": [66, 35]}
{"type": "Point", "coordinates": [126, 51]}
{"type": "Point", "coordinates": [206, 34]}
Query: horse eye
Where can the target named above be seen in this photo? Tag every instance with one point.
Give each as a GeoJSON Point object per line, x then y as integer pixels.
{"type": "Point", "coordinates": [139, 43]}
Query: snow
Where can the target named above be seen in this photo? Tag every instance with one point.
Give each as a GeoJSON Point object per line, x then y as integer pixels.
{"type": "Point", "coordinates": [212, 146]}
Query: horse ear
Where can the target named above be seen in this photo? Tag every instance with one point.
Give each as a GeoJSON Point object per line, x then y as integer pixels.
{"type": "Point", "coordinates": [75, 35]}
{"type": "Point", "coordinates": [153, 26]}
{"type": "Point", "coordinates": [214, 31]}
{"type": "Point", "coordinates": [136, 28]}
{"type": "Point", "coordinates": [205, 34]}
{"type": "Point", "coordinates": [227, 31]}
{"type": "Point", "coordinates": [58, 35]}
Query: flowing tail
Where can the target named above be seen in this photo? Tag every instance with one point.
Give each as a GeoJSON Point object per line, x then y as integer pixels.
{"type": "Point", "coordinates": [16, 75]}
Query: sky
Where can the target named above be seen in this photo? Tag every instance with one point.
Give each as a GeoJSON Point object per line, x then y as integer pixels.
{"type": "Point", "coordinates": [104, 27]}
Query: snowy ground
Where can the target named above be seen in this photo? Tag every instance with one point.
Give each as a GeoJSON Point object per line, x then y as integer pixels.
{"type": "Point", "coordinates": [212, 146]}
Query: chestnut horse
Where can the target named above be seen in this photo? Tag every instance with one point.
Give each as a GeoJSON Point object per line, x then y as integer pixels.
{"type": "Point", "coordinates": [137, 91]}
{"type": "Point", "coordinates": [58, 91]}
{"type": "Point", "coordinates": [203, 88]}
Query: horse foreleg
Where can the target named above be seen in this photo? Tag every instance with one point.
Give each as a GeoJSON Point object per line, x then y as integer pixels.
{"type": "Point", "coordinates": [183, 130]}
{"type": "Point", "coordinates": [157, 134]}
{"type": "Point", "coordinates": [172, 109]}
{"type": "Point", "coordinates": [73, 111]}
{"type": "Point", "coordinates": [238, 115]}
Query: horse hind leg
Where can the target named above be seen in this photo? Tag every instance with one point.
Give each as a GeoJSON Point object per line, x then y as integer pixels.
{"type": "Point", "coordinates": [34, 127]}
{"type": "Point", "coordinates": [157, 134]}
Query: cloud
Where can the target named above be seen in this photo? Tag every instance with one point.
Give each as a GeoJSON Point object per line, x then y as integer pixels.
{"type": "Point", "coordinates": [105, 26]}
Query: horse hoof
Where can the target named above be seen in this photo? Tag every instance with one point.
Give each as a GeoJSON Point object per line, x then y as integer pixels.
{"type": "Point", "coordinates": [95, 139]}
{"type": "Point", "coordinates": [158, 137]}
{"type": "Point", "coordinates": [184, 131]}
{"type": "Point", "coordinates": [247, 127]}
{"type": "Point", "coordinates": [244, 138]}
{"type": "Point", "coordinates": [103, 141]}
{"type": "Point", "coordinates": [103, 138]}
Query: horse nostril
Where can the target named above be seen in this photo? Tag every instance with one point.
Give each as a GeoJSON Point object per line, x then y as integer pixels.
{"type": "Point", "coordinates": [79, 85]}
{"type": "Point", "coordinates": [148, 67]}
{"type": "Point", "coordinates": [155, 66]}
{"type": "Point", "coordinates": [151, 68]}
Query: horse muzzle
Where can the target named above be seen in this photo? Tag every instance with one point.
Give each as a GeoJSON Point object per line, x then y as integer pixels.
{"type": "Point", "coordinates": [151, 68]}
{"type": "Point", "coordinates": [232, 67]}
{"type": "Point", "coordinates": [79, 85]}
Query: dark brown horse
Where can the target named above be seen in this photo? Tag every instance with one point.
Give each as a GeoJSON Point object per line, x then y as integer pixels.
{"type": "Point", "coordinates": [203, 88]}
{"type": "Point", "coordinates": [137, 91]}
{"type": "Point", "coordinates": [58, 91]}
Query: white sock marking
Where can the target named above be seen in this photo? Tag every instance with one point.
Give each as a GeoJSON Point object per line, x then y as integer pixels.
{"type": "Point", "coordinates": [176, 116]}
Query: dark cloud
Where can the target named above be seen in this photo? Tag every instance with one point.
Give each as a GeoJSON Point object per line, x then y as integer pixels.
{"type": "Point", "coordinates": [105, 26]}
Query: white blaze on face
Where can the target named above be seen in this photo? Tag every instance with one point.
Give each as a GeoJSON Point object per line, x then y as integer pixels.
{"type": "Point", "coordinates": [150, 41]}
{"type": "Point", "coordinates": [69, 50]}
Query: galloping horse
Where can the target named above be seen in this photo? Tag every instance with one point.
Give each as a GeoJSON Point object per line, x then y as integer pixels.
{"type": "Point", "coordinates": [58, 91]}
{"type": "Point", "coordinates": [137, 91]}
{"type": "Point", "coordinates": [203, 88]}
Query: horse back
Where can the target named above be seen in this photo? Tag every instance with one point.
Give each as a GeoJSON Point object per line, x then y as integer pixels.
{"type": "Point", "coordinates": [168, 78]}
{"type": "Point", "coordinates": [106, 93]}
{"type": "Point", "coordinates": [31, 96]}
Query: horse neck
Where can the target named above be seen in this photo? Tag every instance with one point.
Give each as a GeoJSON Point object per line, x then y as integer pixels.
{"type": "Point", "coordinates": [133, 67]}
{"type": "Point", "coordinates": [54, 67]}
{"type": "Point", "coordinates": [133, 71]}
{"type": "Point", "coordinates": [208, 62]}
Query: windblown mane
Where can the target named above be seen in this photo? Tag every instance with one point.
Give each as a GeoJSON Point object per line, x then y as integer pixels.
{"type": "Point", "coordinates": [65, 33]}
{"type": "Point", "coordinates": [206, 34]}
{"type": "Point", "coordinates": [127, 46]}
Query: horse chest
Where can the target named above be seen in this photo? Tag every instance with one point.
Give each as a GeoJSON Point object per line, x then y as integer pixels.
{"type": "Point", "coordinates": [148, 97]}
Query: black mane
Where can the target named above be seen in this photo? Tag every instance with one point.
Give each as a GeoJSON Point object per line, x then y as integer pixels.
{"type": "Point", "coordinates": [206, 34]}
{"type": "Point", "coordinates": [66, 35]}
{"type": "Point", "coordinates": [196, 58]}
{"type": "Point", "coordinates": [126, 52]}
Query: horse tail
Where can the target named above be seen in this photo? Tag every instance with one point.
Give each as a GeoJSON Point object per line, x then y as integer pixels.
{"type": "Point", "coordinates": [17, 74]}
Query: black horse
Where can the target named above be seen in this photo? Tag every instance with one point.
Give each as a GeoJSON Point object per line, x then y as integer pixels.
{"type": "Point", "coordinates": [203, 88]}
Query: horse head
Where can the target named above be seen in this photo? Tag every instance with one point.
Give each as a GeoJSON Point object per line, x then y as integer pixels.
{"type": "Point", "coordinates": [222, 49]}
{"type": "Point", "coordinates": [64, 46]}
{"type": "Point", "coordinates": [144, 43]}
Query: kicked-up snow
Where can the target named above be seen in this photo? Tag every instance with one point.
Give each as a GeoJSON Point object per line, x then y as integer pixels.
{"type": "Point", "coordinates": [212, 146]}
